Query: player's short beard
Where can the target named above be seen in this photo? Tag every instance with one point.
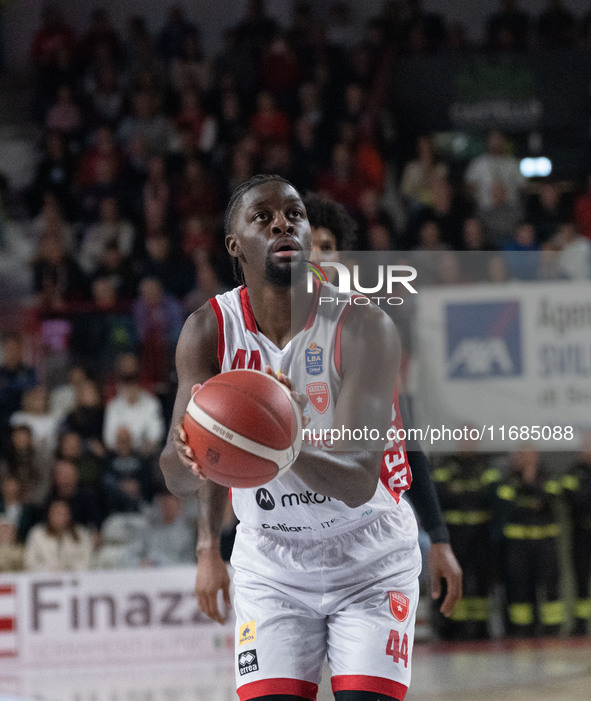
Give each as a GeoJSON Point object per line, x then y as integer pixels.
{"type": "Point", "coordinates": [284, 276]}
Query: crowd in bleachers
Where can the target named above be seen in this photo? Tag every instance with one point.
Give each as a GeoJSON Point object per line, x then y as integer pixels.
{"type": "Point", "coordinates": [142, 137]}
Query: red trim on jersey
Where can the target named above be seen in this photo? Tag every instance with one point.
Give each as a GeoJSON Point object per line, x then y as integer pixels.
{"type": "Point", "coordinates": [360, 682]}
{"type": "Point", "coordinates": [268, 687]}
{"type": "Point", "coordinates": [312, 315]}
{"type": "Point", "coordinates": [395, 473]}
{"type": "Point", "coordinates": [215, 305]}
{"type": "Point", "coordinates": [247, 313]}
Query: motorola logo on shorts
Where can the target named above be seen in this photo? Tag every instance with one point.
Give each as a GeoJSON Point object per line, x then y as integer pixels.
{"type": "Point", "coordinates": [265, 499]}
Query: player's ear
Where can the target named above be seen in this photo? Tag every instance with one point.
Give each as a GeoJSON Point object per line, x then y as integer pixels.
{"type": "Point", "coordinates": [233, 246]}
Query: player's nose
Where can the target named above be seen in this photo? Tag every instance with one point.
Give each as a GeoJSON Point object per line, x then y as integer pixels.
{"type": "Point", "coordinates": [281, 224]}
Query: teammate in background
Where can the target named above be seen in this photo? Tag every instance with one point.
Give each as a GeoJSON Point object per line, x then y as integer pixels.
{"type": "Point", "coordinates": [577, 490]}
{"type": "Point", "coordinates": [333, 230]}
{"type": "Point", "coordinates": [311, 579]}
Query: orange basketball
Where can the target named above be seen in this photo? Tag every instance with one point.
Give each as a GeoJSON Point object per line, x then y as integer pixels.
{"type": "Point", "coordinates": [244, 428]}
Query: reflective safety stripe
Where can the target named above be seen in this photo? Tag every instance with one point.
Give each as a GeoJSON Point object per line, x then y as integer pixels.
{"type": "Point", "coordinates": [552, 487]}
{"type": "Point", "coordinates": [466, 518]}
{"type": "Point", "coordinates": [471, 608]}
{"type": "Point", "coordinates": [521, 614]}
{"type": "Point", "coordinates": [518, 532]}
{"type": "Point", "coordinates": [583, 608]}
{"type": "Point", "coordinates": [460, 612]}
{"type": "Point", "coordinates": [570, 482]}
{"type": "Point", "coordinates": [552, 613]}
{"type": "Point", "coordinates": [506, 492]}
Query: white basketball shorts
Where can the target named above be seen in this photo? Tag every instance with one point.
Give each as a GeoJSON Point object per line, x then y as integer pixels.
{"type": "Point", "coordinates": [351, 598]}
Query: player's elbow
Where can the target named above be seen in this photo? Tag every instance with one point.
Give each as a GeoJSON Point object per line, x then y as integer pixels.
{"type": "Point", "coordinates": [361, 494]}
{"type": "Point", "coordinates": [177, 478]}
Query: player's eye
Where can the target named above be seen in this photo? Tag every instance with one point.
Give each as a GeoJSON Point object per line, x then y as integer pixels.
{"type": "Point", "coordinates": [260, 216]}
{"type": "Point", "coordinates": [298, 214]}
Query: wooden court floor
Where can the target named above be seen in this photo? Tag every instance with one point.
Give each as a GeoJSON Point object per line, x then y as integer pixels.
{"type": "Point", "coordinates": [557, 670]}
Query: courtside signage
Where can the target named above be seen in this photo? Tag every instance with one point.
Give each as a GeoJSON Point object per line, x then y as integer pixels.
{"type": "Point", "coordinates": [49, 619]}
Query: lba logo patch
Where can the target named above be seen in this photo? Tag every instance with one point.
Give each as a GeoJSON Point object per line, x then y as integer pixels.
{"type": "Point", "coordinates": [398, 605]}
{"type": "Point", "coordinates": [483, 340]}
{"type": "Point", "coordinates": [313, 359]}
{"type": "Point", "coordinates": [248, 633]}
{"type": "Point", "coordinates": [247, 662]}
{"type": "Point", "coordinates": [319, 396]}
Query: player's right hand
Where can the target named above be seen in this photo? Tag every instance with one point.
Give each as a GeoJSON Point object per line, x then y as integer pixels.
{"type": "Point", "coordinates": [212, 577]}
{"type": "Point", "coordinates": [184, 450]}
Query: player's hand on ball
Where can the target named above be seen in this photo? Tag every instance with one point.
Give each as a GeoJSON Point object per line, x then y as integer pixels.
{"type": "Point", "coordinates": [300, 398]}
{"type": "Point", "coordinates": [183, 449]}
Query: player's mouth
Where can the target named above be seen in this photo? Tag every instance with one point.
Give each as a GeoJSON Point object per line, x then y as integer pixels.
{"type": "Point", "coordinates": [285, 248]}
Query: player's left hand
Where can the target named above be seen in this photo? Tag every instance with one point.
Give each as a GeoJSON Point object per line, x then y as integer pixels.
{"type": "Point", "coordinates": [300, 398]}
{"type": "Point", "coordinates": [443, 565]}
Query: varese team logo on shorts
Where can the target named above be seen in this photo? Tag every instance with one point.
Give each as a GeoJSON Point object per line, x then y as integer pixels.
{"type": "Point", "coordinates": [398, 605]}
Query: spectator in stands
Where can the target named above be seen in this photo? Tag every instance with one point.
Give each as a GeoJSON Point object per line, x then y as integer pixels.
{"type": "Point", "coordinates": [105, 95]}
{"type": "Point", "coordinates": [197, 192]}
{"type": "Point", "coordinates": [51, 221]}
{"type": "Point", "coordinates": [57, 279]}
{"type": "Point", "coordinates": [35, 414]}
{"type": "Point", "coordinates": [493, 168]}
{"type": "Point", "coordinates": [158, 318]}
{"type": "Point", "coordinates": [110, 229]}
{"type": "Point", "coordinates": [175, 272]}
{"type": "Point", "coordinates": [418, 174]}
{"type": "Point", "coordinates": [101, 37]}
{"type": "Point", "coordinates": [169, 539]}
{"type": "Point", "coordinates": [571, 259]}
{"type": "Point", "coordinates": [89, 463]}
{"type": "Point", "coordinates": [547, 209]}
{"type": "Point", "coordinates": [556, 25]}
{"type": "Point", "coordinates": [55, 173]}
{"type": "Point", "coordinates": [372, 214]}
{"type": "Point", "coordinates": [65, 115]}
{"type": "Point", "coordinates": [507, 28]}
{"type": "Point", "coordinates": [340, 181]}
{"type": "Point", "coordinates": [191, 115]}
{"type": "Point", "coordinates": [269, 123]}
{"type": "Point", "coordinates": [501, 217]}
{"type": "Point", "coordinates": [102, 155]}
{"type": "Point", "coordinates": [62, 398]}
{"type": "Point", "coordinates": [16, 377]}
{"type": "Point", "coordinates": [127, 470]}
{"type": "Point", "coordinates": [173, 33]}
{"type": "Point", "coordinates": [522, 253]}
{"type": "Point", "coordinates": [189, 70]}
{"type": "Point", "coordinates": [207, 283]}
{"type": "Point", "coordinates": [60, 544]}
{"type": "Point", "coordinates": [138, 45]}
{"type": "Point", "coordinates": [24, 463]}
{"type": "Point", "coordinates": [134, 408]}
{"type": "Point", "coordinates": [15, 508]}
{"type": "Point", "coordinates": [12, 553]}
{"type": "Point", "coordinates": [84, 503]}
{"type": "Point", "coordinates": [146, 121]}
{"type": "Point", "coordinates": [582, 210]}
{"type": "Point", "coordinates": [87, 416]}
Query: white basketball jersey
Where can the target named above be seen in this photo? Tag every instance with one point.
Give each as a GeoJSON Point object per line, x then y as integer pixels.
{"type": "Point", "coordinates": [312, 361]}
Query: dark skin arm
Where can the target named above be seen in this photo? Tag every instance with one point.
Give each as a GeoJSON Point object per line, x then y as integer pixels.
{"type": "Point", "coordinates": [370, 362]}
{"type": "Point", "coordinates": [196, 362]}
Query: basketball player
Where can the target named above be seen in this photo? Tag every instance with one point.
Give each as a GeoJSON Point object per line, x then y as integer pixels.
{"type": "Point", "coordinates": [326, 557]}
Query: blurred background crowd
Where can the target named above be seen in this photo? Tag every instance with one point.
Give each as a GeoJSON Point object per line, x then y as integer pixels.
{"type": "Point", "coordinates": [137, 138]}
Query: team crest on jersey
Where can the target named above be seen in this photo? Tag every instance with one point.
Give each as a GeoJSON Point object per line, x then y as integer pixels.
{"type": "Point", "coordinates": [398, 605]}
{"type": "Point", "coordinates": [319, 396]}
{"type": "Point", "coordinates": [313, 358]}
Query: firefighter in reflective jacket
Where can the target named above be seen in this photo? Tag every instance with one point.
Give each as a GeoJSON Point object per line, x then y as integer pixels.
{"type": "Point", "coordinates": [577, 490]}
{"type": "Point", "coordinates": [529, 535]}
{"type": "Point", "coordinates": [465, 485]}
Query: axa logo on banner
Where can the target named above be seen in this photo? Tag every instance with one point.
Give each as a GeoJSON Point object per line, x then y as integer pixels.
{"type": "Point", "coordinates": [483, 340]}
